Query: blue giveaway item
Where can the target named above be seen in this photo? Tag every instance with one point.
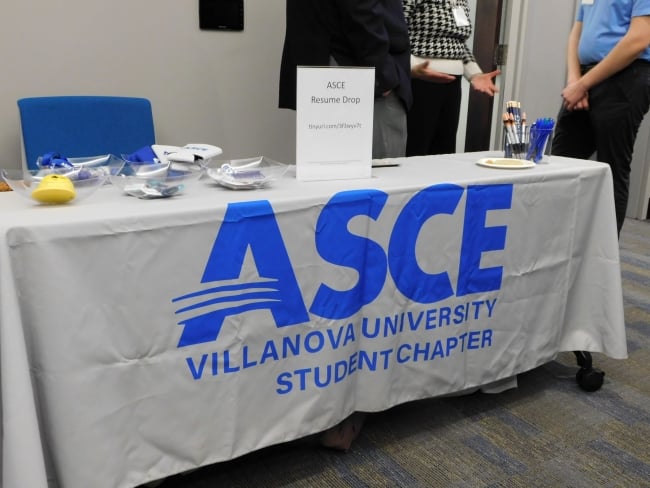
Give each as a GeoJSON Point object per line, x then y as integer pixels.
{"type": "Point", "coordinates": [143, 155]}
{"type": "Point", "coordinates": [54, 160]}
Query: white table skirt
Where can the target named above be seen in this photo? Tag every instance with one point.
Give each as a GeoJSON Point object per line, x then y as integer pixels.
{"type": "Point", "coordinates": [143, 338]}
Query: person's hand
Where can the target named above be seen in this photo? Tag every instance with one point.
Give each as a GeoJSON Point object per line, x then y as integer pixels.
{"type": "Point", "coordinates": [423, 72]}
{"type": "Point", "coordinates": [483, 83]}
{"type": "Point", "coordinates": [575, 96]}
{"type": "Point", "coordinates": [582, 104]}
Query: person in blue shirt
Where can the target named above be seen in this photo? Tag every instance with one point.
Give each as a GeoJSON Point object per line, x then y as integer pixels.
{"type": "Point", "coordinates": [608, 88]}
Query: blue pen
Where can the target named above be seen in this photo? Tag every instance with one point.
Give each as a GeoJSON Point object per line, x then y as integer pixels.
{"type": "Point", "coordinates": [539, 134]}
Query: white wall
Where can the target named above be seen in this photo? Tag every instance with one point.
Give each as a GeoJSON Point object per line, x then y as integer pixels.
{"type": "Point", "coordinates": [536, 69]}
{"type": "Point", "coordinates": [640, 177]}
{"type": "Point", "coordinates": [205, 86]}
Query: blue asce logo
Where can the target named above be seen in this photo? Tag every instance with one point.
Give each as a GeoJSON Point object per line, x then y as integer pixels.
{"type": "Point", "coordinates": [249, 224]}
{"type": "Point", "coordinates": [253, 226]}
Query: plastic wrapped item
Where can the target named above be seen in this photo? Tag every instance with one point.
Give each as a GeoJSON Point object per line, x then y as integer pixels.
{"type": "Point", "coordinates": [153, 189]}
{"type": "Point", "coordinates": [155, 180]}
{"type": "Point", "coordinates": [197, 153]}
{"type": "Point", "coordinates": [246, 174]}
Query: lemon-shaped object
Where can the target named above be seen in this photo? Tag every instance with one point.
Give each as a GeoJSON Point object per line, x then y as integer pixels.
{"type": "Point", "coordinates": [54, 189]}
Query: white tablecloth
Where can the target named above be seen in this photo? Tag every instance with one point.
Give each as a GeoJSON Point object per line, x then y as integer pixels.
{"type": "Point", "coordinates": [143, 338]}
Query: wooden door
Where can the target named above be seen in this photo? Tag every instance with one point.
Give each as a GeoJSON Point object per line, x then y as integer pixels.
{"type": "Point", "coordinates": [487, 31]}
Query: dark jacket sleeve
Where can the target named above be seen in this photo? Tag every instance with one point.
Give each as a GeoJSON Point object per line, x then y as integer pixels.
{"type": "Point", "coordinates": [353, 32]}
{"type": "Point", "coordinates": [306, 43]}
{"type": "Point", "coordinates": [377, 35]}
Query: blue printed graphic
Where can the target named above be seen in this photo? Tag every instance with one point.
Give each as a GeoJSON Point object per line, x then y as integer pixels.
{"type": "Point", "coordinates": [246, 225]}
{"type": "Point", "coordinates": [409, 278]}
{"type": "Point", "coordinates": [352, 251]}
{"type": "Point", "coordinates": [252, 227]}
{"type": "Point", "coordinates": [480, 199]}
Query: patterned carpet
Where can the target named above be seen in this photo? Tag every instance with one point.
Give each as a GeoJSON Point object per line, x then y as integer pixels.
{"type": "Point", "coordinates": [546, 433]}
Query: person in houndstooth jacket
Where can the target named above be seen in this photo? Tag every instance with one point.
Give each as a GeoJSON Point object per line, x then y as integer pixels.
{"type": "Point", "coordinates": [438, 31]}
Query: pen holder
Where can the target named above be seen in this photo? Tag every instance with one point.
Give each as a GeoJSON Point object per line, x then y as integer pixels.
{"type": "Point", "coordinates": [539, 137]}
{"type": "Point", "coordinates": [516, 144]}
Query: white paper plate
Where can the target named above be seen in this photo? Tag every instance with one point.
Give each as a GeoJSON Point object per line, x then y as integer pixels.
{"type": "Point", "coordinates": [505, 163]}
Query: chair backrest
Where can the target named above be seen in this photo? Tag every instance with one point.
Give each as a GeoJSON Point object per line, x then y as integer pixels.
{"type": "Point", "coordinates": [77, 126]}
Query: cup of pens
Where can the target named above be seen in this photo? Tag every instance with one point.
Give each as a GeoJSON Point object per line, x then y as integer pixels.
{"type": "Point", "coordinates": [521, 141]}
{"type": "Point", "coordinates": [540, 133]}
{"type": "Point", "coordinates": [516, 142]}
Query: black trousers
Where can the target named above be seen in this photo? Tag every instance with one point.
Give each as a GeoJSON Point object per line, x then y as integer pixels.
{"type": "Point", "coordinates": [609, 128]}
{"type": "Point", "coordinates": [432, 121]}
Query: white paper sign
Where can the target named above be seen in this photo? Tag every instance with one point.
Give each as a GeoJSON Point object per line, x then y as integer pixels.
{"type": "Point", "coordinates": [334, 110]}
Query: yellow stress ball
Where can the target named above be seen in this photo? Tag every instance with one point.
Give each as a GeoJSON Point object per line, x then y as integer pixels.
{"type": "Point", "coordinates": [54, 189]}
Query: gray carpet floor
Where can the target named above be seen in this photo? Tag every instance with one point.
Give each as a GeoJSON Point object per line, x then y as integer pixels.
{"type": "Point", "coordinates": [546, 433]}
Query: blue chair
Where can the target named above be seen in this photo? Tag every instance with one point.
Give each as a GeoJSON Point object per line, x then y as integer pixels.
{"type": "Point", "coordinates": [78, 126]}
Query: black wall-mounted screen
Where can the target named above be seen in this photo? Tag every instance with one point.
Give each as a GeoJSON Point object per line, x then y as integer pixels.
{"type": "Point", "coordinates": [221, 14]}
